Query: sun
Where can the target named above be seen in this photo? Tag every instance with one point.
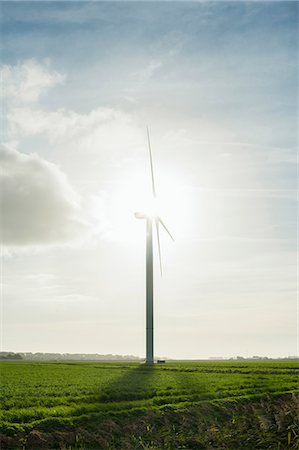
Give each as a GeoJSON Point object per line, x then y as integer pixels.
{"type": "Point", "coordinates": [132, 194]}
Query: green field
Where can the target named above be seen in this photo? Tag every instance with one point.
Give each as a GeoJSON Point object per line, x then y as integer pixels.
{"type": "Point", "coordinates": [200, 405]}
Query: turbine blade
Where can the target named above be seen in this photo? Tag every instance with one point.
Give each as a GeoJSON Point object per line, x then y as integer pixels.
{"type": "Point", "coordinates": [158, 240]}
{"type": "Point", "coordinates": [164, 226]}
{"type": "Point", "coordinates": [151, 161]}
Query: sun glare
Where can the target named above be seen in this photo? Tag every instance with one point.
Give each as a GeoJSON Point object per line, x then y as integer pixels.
{"type": "Point", "coordinates": [133, 195]}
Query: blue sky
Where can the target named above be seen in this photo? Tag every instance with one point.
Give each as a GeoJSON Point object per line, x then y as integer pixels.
{"type": "Point", "coordinates": [216, 83]}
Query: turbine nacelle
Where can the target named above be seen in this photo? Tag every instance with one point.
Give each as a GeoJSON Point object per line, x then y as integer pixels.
{"type": "Point", "coordinates": [140, 215]}
{"type": "Point", "coordinates": [146, 215]}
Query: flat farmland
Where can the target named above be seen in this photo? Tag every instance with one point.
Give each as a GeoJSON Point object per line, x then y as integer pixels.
{"type": "Point", "coordinates": [199, 405]}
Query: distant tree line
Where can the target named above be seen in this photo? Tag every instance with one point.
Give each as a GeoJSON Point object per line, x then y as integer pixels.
{"type": "Point", "coordinates": [28, 356]}
{"type": "Point", "coordinates": [10, 356]}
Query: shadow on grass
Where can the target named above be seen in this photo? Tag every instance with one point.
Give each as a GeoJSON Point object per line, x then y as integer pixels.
{"type": "Point", "coordinates": [134, 384]}
{"type": "Point", "coordinates": [124, 396]}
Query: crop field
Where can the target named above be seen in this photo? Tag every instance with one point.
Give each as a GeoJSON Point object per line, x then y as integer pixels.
{"type": "Point", "coordinates": [179, 405]}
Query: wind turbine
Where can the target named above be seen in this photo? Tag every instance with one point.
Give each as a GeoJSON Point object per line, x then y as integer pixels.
{"type": "Point", "coordinates": [150, 218]}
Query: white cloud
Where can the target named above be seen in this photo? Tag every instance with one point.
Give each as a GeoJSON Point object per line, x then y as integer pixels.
{"type": "Point", "coordinates": [101, 127]}
{"type": "Point", "coordinates": [62, 125]}
{"type": "Point", "coordinates": [27, 81]}
{"type": "Point", "coordinates": [83, 143]}
{"type": "Point", "coordinates": [38, 204]}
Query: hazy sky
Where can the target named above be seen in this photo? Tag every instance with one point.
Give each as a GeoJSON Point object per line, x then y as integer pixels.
{"type": "Point", "coordinates": [216, 83]}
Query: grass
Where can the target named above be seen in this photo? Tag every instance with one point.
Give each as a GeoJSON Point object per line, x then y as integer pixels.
{"type": "Point", "coordinates": [201, 400]}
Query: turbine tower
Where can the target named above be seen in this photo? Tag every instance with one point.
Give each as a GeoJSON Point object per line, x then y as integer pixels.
{"type": "Point", "coordinates": [150, 218]}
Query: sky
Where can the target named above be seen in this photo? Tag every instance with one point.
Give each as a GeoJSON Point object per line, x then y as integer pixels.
{"type": "Point", "coordinates": [215, 82]}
